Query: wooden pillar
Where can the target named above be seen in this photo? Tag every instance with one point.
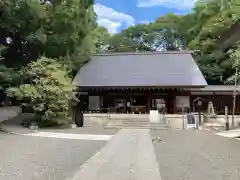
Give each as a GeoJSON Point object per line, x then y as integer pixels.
{"type": "Point", "coordinates": [149, 101]}
{"type": "Point", "coordinates": [171, 102]}
{"type": "Point", "coordinates": [174, 103]}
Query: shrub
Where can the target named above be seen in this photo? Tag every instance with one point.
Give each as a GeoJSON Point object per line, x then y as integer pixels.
{"type": "Point", "coordinates": [48, 91]}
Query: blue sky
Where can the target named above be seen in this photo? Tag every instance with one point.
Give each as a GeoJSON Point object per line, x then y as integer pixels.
{"type": "Point", "coordinates": [116, 15]}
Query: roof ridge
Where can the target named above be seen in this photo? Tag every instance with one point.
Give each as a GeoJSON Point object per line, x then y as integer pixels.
{"type": "Point", "coordinates": [142, 53]}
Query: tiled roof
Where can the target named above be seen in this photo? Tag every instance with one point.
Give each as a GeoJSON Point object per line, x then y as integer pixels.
{"type": "Point", "coordinates": [148, 69]}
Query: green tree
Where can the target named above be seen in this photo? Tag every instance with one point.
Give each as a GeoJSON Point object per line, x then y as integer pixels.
{"type": "Point", "coordinates": [7, 75]}
{"type": "Point", "coordinates": [101, 38]}
{"type": "Point", "coordinates": [21, 30]}
{"type": "Point", "coordinates": [213, 17]}
{"type": "Point", "coordinates": [68, 27]}
{"type": "Point", "coordinates": [3, 76]}
{"type": "Point", "coordinates": [171, 31]}
{"type": "Point", "coordinates": [165, 34]}
{"type": "Point", "coordinates": [32, 28]}
{"type": "Point", "coordinates": [48, 92]}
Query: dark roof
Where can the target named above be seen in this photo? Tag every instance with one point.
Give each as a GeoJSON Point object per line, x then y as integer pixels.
{"type": "Point", "coordinates": [148, 69]}
{"type": "Point", "coordinates": [216, 88]}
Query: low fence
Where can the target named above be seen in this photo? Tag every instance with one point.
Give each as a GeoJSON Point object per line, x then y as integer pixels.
{"type": "Point", "coordinates": [100, 119]}
{"type": "Point", "coordinates": [174, 121]}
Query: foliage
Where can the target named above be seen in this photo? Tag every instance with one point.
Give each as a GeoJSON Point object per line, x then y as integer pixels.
{"type": "Point", "coordinates": [21, 30]}
{"type": "Point", "coordinates": [100, 37]}
{"type": "Point", "coordinates": [235, 59]}
{"type": "Point", "coordinates": [6, 74]}
{"type": "Point", "coordinates": [149, 37]}
{"type": "Point", "coordinates": [56, 29]}
{"type": "Point", "coordinates": [68, 27]}
{"type": "Point", "coordinates": [49, 90]}
{"type": "Point", "coordinates": [61, 30]}
{"type": "Point", "coordinates": [198, 30]}
{"type": "Point", "coordinates": [213, 18]}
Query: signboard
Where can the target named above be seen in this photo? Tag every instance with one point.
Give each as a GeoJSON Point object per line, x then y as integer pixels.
{"type": "Point", "coordinates": [154, 116]}
{"type": "Point", "coordinates": [190, 121]}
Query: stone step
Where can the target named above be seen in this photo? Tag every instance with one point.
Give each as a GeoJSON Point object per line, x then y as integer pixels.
{"type": "Point", "coordinates": [135, 125]}
{"type": "Point", "coordinates": [138, 127]}
{"type": "Point", "coordinates": [122, 125]}
{"type": "Point", "coordinates": [140, 124]}
{"type": "Point", "coordinates": [128, 119]}
{"type": "Point", "coordinates": [129, 122]}
{"type": "Point", "coordinates": [117, 120]}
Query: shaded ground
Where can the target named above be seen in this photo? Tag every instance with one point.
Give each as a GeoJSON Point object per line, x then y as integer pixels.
{"type": "Point", "coordinates": [13, 125]}
{"type": "Point", "coordinates": [196, 155]}
{"type": "Point", "coordinates": [35, 158]}
{"type": "Point", "coordinates": [8, 112]}
{"type": "Point", "coordinates": [85, 130]}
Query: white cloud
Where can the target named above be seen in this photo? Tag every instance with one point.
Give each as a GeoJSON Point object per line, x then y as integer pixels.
{"type": "Point", "coordinates": [112, 19]}
{"type": "Point", "coordinates": [111, 26]}
{"type": "Point", "coordinates": [177, 4]}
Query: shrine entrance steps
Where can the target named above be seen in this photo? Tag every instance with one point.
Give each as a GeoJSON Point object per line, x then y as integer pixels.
{"type": "Point", "coordinates": [119, 121]}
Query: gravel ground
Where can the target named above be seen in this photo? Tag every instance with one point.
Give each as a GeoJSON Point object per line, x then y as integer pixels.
{"type": "Point", "coordinates": [197, 155]}
{"type": "Point", "coordinates": [34, 158]}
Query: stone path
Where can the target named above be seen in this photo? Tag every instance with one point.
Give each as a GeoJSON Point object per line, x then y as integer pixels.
{"type": "Point", "coordinates": [125, 157]}
{"type": "Point", "coordinates": [71, 136]}
{"type": "Point", "coordinates": [230, 134]}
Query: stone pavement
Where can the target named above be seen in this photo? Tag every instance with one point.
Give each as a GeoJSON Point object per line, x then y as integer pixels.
{"type": "Point", "coordinates": [39, 158]}
{"type": "Point", "coordinates": [93, 137]}
{"type": "Point", "coordinates": [197, 155]}
{"type": "Point", "coordinates": [235, 133]}
{"type": "Point", "coordinates": [214, 126]}
{"type": "Point", "coordinates": [129, 155]}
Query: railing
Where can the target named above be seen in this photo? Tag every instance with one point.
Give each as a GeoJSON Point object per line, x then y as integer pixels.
{"type": "Point", "coordinates": [113, 110]}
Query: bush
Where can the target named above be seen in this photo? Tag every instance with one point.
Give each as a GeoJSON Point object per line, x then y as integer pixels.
{"type": "Point", "coordinates": [48, 91]}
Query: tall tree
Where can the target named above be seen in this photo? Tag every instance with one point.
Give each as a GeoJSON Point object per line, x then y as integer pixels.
{"type": "Point", "coordinates": [145, 37]}
{"type": "Point", "coordinates": [213, 17]}
{"type": "Point", "coordinates": [3, 70]}
{"type": "Point", "coordinates": [20, 30]}
{"type": "Point", "coordinates": [68, 30]}
{"type": "Point", "coordinates": [167, 33]}
{"type": "Point", "coordinates": [56, 28]}
{"type": "Point", "coordinates": [101, 37]}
